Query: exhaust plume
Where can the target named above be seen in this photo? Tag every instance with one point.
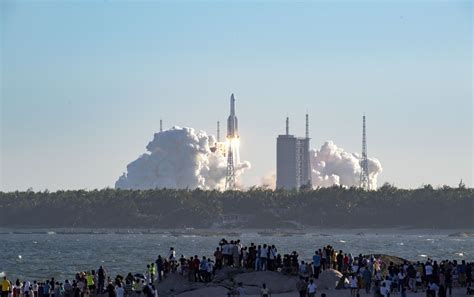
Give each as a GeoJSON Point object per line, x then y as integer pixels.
{"type": "Point", "coordinates": [332, 165]}
{"type": "Point", "coordinates": [179, 158]}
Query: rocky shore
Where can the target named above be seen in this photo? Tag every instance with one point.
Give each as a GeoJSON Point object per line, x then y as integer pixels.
{"type": "Point", "coordinates": [227, 279]}
{"type": "Point", "coordinates": [280, 285]}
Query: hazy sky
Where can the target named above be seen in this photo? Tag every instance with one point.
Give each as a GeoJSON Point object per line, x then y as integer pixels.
{"type": "Point", "coordinates": [84, 83]}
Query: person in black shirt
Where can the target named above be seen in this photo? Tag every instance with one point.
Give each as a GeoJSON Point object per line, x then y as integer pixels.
{"type": "Point", "coordinates": [110, 290]}
{"type": "Point", "coordinates": [340, 260]}
{"type": "Point", "coordinates": [101, 279]}
{"type": "Point", "coordinates": [147, 290]}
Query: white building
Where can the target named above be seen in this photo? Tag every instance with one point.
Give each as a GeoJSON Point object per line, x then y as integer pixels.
{"type": "Point", "coordinates": [293, 163]}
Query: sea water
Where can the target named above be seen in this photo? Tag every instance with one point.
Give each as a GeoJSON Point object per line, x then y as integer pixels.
{"type": "Point", "coordinates": [42, 254]}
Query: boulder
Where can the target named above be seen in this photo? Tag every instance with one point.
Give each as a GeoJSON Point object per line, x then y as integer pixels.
{"type": "Point", "coordinates": [388, 258]}
{"type": "Point", "coordinates": [329, 279]}
{"type": "Point", "coordinates": [213, 291]}
{"type": "Point", "coordinates": [175, 283]}
{"type": "Point", "coordinates": [226, 274]}
{"type": "Point", "coordinates": [275, 281]}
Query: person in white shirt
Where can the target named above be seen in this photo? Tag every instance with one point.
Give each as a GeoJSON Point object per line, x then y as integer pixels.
{"type": "Point", "coordinates": [401, 280]}
{"type": "Point", "coordinates": [35, 289]}
{"type": "Point", "coordinates": [354, 285]}
{"type": "Point", "coordinates": [418, 281]}
{"type": "Point", "coordinates": [263, 257]}
{"type": "Point", "coordinates": [311, 288]}
{"type": "Point", "coordinates": [210, 269]}
{"type": "Point", "coordinates": [172, 254]}
{"type": "Point", "coordinates": [428, 269]}
{"type": "Point", "coordinates": [26, 289]}
{"type": "Point", "coordinates": [236, 255]}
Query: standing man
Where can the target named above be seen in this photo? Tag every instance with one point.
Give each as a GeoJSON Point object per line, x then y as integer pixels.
{"type": "Point", "coordinates": [152, 272]}
{"type": "Point", "coordinates": [218, 258]}
{"type": "Point", "coordinates": [367, 276]}
{"type": "Point", "coordinates": [340, 261]}
{"type": "Point", "coordinates": [159, 266]}
{"type": "Point", "coordinates": [6, 287]}
{"type": "Point", "coordinates": [301, 286]}
{"type": "Point", "coordinates": [316, 264]}
{"type": "Point", "coordinates": [101, 278]}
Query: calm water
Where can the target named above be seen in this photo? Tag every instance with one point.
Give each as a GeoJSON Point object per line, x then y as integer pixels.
{"type": "Point", "coordinates": [40, 256]}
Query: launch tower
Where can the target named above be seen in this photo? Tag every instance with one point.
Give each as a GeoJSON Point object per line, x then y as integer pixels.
{"type": "Point", "coordinates": [364, 163]}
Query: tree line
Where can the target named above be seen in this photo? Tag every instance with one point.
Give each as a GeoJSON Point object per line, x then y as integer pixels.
{"type": "Point", "coordinates": [425, 207]}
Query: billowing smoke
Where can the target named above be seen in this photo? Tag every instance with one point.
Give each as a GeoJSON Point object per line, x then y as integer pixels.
{"type": "Point", "coordinates": [179, 158]}
{"type": "Point", "coordinates": [269, 180]}
{"type": "Point", "coordinates": [331, 165]}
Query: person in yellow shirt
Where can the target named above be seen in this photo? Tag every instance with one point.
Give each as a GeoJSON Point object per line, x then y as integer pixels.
{"type": "Point", "coordinates": [90, 282]}
{"type": "Point", "coordinates": [6, 287]}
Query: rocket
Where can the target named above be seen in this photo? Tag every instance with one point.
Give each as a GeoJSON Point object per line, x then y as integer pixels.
{"type": "Point", "coordinates": [232, 123]}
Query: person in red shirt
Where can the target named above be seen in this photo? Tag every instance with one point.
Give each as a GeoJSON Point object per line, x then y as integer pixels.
{"type": "Point", "coordinates": [196, 263]}
{"type": "Point", "coordinates": [218, 257]}
{"type": "Point", "coordinates": [346, 262]}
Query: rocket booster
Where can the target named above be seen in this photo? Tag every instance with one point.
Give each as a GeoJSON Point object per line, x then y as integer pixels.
{"type": "Point", "coordinates": [232, 123]}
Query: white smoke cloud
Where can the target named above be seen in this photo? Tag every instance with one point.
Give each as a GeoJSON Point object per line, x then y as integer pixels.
{"type": "Point", "coordinates": [179, 158]}
{"type": "Point", "coordinates": [331, 165]}
{"type": "Point", "coordinates": [269, 180]}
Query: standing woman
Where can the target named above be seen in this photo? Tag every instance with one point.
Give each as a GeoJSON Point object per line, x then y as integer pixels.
{"type": "Point", "coordinates": [17, 288]}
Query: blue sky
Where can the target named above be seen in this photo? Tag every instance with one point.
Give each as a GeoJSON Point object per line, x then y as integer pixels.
{"type": "Point", "coordinates": [84, 83]}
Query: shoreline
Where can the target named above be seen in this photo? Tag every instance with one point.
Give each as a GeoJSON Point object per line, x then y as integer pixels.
{"type": "Point", "coordinates": [312, 229]}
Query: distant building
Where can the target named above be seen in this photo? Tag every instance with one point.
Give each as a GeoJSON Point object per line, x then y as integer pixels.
{"type": "Point", "coordinates": [293, 163]}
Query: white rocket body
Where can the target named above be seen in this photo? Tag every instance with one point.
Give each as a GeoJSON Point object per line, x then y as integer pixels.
{"type": "Point", "coordinates": [232, 122]}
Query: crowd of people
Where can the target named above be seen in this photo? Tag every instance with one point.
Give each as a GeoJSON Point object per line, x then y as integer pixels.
{"type": "Point", "coordinates": [371, 274]}
{"type": "Point", "coordinates": [360, 273]}
{"type": "Point", "coordinates": [84, 284]}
